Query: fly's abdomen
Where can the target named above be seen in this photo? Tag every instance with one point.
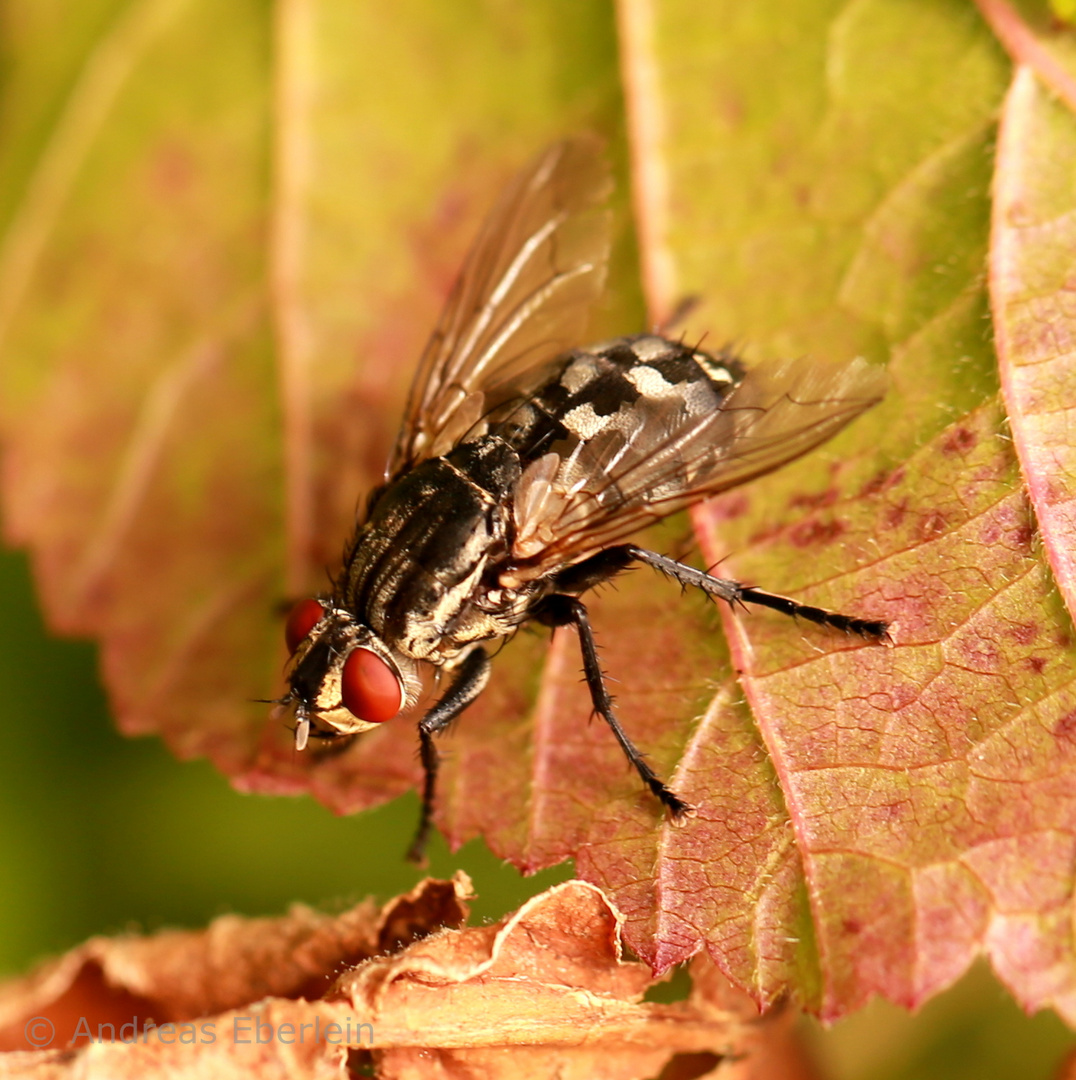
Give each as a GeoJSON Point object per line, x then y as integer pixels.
{"type": "Point", "coordinates": [613, 391]}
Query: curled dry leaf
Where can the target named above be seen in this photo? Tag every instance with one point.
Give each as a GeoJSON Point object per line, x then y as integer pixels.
{"type": "Point", "coordinates": [545, 991]}
{"type": "Point", "coordinates": [180, 975]}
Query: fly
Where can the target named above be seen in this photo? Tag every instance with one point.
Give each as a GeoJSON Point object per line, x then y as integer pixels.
{"type": "Point", "coordinates": [525, 463]}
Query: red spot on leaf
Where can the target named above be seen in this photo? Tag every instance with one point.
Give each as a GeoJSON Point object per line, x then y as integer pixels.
{"type": "Point", "coordinates": [875, 484]}
{"type": "Point", "coordinates": [814, 501]}
{"type": "Point", "coordinates": [1023, 536]}
{"type": "Point", "coordinates": [1065, 728]}
{"type": "Point", "coordinates": [894, 516]}
{"type": "Point", "coordinates": [959, 441]}
{"type": "Point", "coordinates": [1037, 664]}
{"type": "Point", "coordinates": [815, 532]}
{"type": "Point", "coordinates": [1024, 633]}
{"type": "Point", "coordinates": [851, 926]}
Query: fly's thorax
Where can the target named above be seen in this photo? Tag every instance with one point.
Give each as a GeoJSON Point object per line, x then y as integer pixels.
{"type": "Point", "coordinates": [417, 569]}
{"type": "Point", "coordinates": [345, 679]}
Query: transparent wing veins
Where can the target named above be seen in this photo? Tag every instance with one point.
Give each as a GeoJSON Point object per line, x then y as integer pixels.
{"type": "Point", "coordinates": [523, 296]}
{"type": "Point", "coordinates": [590, 500]}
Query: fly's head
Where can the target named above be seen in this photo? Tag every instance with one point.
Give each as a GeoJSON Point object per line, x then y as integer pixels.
{"type": "Point", "coordinates": [344, 678]}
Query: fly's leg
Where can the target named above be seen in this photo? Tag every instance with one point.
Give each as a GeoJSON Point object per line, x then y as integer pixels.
{"type": "Point", "coordinates": [470, 680]}
{"type": "Point", "coordinates": [613, 560]}
{"type": "Point", "coordinates": [733, 592]}
{"type": "Point", "coordinates": [560, 610]}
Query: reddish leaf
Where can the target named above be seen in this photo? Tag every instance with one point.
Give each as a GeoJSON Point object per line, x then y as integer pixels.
{"type": "Point", "coordinates": [931, 788]}
{"type": "Point", "coordinates": [1032, 278]}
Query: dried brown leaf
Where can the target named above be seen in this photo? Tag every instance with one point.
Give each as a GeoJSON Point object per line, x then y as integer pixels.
{"type": "Point", "coordinates": [545, 991]}
{"type": "Point", "coordinates": [179, 975]}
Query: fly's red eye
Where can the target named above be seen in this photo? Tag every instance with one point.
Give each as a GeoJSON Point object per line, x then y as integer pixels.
{"type": "Point", "coordinates": [303, 618]}
{"type": "Point", "coordinates": [369, 688]}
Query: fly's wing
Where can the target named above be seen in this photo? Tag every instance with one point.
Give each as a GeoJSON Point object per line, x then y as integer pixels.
{"type": "Point", "coordinates": [523, 295]}
{"type": "Point", "coordinates": [609, 472]}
